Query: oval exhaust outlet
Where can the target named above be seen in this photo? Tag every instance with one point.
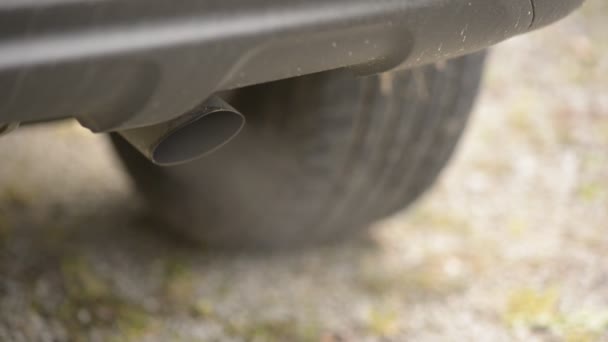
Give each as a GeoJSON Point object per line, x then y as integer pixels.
{"type": "Point", "coordinates": [191, 136]}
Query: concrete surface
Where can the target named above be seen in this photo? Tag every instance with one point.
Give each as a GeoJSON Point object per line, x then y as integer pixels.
{"type": "Point", "coordinates": [510, 245]}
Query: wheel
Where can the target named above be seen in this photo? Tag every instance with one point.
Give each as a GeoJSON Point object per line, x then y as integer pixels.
{"type": "Point", "coordinates": [321, 157]}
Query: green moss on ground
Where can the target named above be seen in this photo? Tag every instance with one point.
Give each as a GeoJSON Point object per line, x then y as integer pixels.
{"type": "Point", "coordinates": [539, 310]}
{"type": "Point", "coordinates": [90, 303]}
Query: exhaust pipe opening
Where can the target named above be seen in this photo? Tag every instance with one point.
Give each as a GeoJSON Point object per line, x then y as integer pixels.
{"type": "Point", "coordinates": [198, 138]}
{"type": "Point", "coordinates": [189, 137]}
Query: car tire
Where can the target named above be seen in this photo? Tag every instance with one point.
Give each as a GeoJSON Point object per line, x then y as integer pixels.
{"type": "Point", "coordinates": [321, 158]}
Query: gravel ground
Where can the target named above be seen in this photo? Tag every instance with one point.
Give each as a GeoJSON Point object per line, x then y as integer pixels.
{"type": "Point", "coordinates": [508, 246]}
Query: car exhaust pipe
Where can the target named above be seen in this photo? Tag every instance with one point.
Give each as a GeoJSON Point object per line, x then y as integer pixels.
{"type": "Point", "coordinates": [190, 136]}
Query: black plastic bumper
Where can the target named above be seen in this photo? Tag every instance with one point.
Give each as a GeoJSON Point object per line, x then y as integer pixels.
{"type": "Point", "coordinates": [122, 64]}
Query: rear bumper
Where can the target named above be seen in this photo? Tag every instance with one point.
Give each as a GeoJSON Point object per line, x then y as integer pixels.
{"type": "Point", "coordinates": [122, 64]}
